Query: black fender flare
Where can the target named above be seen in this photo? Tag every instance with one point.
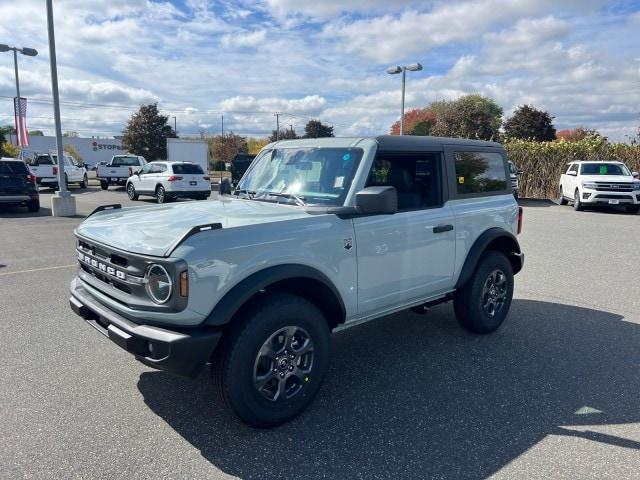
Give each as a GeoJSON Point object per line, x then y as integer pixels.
{"type": "Point", "coordinates": [509, 246]}
{"type": "Point", "coordinates": [243, 291]}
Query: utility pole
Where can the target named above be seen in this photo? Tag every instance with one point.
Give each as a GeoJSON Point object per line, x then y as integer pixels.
{"type": "Point", "coordinates": [175, 126]}
{"type": "Point", "coordinates": [291, 126]}
{"type": "Point", "coordinates": [63, 204]}
{"type": "Point", "coordinates": [277, 114]}
{"type": "Point", "coordinates": [222, 127]}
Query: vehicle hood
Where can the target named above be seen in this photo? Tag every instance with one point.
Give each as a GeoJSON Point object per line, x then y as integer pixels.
{"type": "Point", "coordinates": [153, 230]}
{"type": "Point", "coordinates": [607, 178]}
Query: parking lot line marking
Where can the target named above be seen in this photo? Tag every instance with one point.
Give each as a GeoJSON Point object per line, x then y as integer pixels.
{"type": "Point", "coordinates": [37, 269]}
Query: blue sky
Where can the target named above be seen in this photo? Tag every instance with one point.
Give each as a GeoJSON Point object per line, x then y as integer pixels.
{"type": "Point", "coordinates": [199, 59]}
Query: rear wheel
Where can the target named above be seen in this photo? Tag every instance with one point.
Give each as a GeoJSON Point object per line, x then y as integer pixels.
{"type": "Point", "coordinates": [273, 361]}
{"type": "Point", "coordinates": [33, 205]}
{"type": "Point", "coordinates": [161, 195]}
{"type": "Point", "coordinates": [483, 303]}
{"type": "Point", "coordinates": [577, 204]}
{"type": "Point", "coordinates": [83, 183]}
{"type": "Point", "coordinates": [561, 199]}
{"type": "Point", "coordinates": [131, 192]}
{"type": "Point", "coordinates": [104, 185]}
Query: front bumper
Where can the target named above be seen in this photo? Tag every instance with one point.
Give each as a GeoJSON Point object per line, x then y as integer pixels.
{"type": "Point", "coordinates": [184, 351]}
{"type": "Point", "coordinates": [598, 197]}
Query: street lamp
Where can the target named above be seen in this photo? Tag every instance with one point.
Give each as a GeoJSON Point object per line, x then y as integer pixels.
{"type": "Point", "coordinates": [29, 52]}
{"type": "Point", "coordinates": [414, 67]}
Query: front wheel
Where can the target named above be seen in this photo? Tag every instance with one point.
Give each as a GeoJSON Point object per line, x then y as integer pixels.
{"type": "Point", "coordinates": [274, 360]}
{"type": "Point", "coordinates": [483, 303]}
{"type": "Point", "coordinates": [577, 204]}
{"type": "Point", "coordinates": [633, 209]}
{"type": "Point", "coordinates": [131, 192]}
{"type": "Point", "coordinates": [104, 185]}
{"type": "Point", "coordinates": [83, 183]}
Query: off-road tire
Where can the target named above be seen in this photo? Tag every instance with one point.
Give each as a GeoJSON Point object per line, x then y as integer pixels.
{"type": "Point", "coordinates": [131, 192]}
{"type": "Point", "coordinates": [234, 363]}
{"type": "Point", "coordinates": [468, 301]}
{"type": "Point", "coordinates": [561, 199]}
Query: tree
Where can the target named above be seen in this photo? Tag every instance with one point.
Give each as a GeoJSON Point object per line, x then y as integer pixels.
{"type": "Point", "coordinates": [470, 116]}
{"type": "Point", "coordinates": [577, 134]}
{"type": "Point", "coordinates": [146, 133]}
{"type": "Point", "coordinates": [416, 122]}
{"type": "Point", "coordinates": [223, 149]}
{"type": "Point", "coordinates": [256, 144]}
{"type": "Point", "coordinates": [316, 129]}
{"type": "Point", "coordinates": [36, 133]}
{"type": "Point", "coordinates": [70, 134]}
{"type": "Point", "coordinates": [529, 123]}
{"type": "Point", "coordinates": [285, 134]}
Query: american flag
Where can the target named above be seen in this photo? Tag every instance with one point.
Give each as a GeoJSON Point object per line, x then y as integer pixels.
{"type": "Point", "coordinates": [21, 121]}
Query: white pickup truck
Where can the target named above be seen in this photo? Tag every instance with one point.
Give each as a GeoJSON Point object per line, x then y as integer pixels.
{"type": "Point", "coordinates": [44, 167]}
{"type": "Point", "coordinates": [598, 184]}
{"type": "Point", "coordinates": [119, 169]}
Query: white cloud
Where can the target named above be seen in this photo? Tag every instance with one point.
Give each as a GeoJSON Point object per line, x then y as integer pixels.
{"type": "Point", "coordinates": [244, 40]}
{"type": "Point", "coordinates": [308, 105]}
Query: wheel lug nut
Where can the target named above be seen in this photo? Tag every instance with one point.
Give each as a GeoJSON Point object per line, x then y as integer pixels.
{"type": "Point", "coordinates": [281, 374]}
{"type": "Point", "coordinates": [291, 368]}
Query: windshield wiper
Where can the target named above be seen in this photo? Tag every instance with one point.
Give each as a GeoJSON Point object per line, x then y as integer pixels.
{"type": "Point", "coordinates": [299, 200]}
{"type": "Point", "coordinates": [248, 193]}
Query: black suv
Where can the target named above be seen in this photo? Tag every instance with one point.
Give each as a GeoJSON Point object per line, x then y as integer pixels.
{"type": "Point", "coordinates": [17, 185]}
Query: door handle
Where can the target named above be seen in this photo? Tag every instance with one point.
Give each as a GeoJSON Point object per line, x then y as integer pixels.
{"type": "Point", "coordinates": [442, 228]}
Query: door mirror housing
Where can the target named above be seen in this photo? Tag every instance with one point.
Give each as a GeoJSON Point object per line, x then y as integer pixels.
{"type": "Point", "coordinates": [377, 200]}
{"type": "Point", "coordinates": [635, 174]}
{"type": "Point", "coordinates": [573, 174]}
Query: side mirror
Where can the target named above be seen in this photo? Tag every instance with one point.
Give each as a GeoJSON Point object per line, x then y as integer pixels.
{"type": "Point", "coordinates": [635, 174]}
{"type": "Point", "coordinates": [377, 200]}
{"type": "Point", "coordinates": [225, 187]}
{"type": "Point", "coordinates": [573, 174]}
{"type": "Point", "coordinates": [520, 172]}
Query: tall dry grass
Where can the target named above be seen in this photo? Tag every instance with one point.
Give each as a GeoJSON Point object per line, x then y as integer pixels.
{"type": "Point", "coordinates": [544, 162]}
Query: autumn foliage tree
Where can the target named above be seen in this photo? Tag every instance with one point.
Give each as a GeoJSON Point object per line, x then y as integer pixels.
{"type": "Point", "coordinates": [416, 122]}
{"type": "Point", "coordinates": [223, 149]}
{"type": "Point", "coordinates": [529, 123]}
{"type": "Point", "coordinates": [146, 133]}
{"type": "Point", "coordinates": [577, 134]}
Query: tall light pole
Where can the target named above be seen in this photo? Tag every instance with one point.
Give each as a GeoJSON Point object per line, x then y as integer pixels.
{"type": "Point", "coordinates": [62, 203]}
{"type": "Point", "coordinates": [414, 67]}
{"type": "Point", "coordinates": [30, 52]}
{"type": "Point", "coordinates": [175, 126]}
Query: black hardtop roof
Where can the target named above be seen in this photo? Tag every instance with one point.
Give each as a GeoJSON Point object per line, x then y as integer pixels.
{"type": "Point", "coordinates": [413, 142]}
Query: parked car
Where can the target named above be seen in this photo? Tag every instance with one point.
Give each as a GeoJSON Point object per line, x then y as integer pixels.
{"type": "Point", "coordinates": [321, 234]}
{"type": "Point", "coordinates": [17, 185]}
{"type": "Point", "coordinates": [119, 169]}
{"type": "Point", "coordinates": [44, 167]}
{"type": "Point", "coordinates": [167, 181]}
{"type": "Point", "coordinates": [239, 165]}
{"type": "Point", "coordinates": [600, 183]}
{"type": "Point", "coordinates": [515, 182]}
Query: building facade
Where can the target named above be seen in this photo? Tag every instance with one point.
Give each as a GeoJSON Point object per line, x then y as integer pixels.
{"type": "Point", "coordinates": [92, 150]}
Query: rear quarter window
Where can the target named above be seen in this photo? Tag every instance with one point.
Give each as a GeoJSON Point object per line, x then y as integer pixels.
{"type": "Point", "coordinates": [479, 172]}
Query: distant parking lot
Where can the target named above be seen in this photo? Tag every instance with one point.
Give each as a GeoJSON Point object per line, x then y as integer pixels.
{"type": "Point", "coordinates": [553, 394]}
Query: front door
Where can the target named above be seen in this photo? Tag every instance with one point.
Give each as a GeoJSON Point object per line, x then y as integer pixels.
{"type": "Point", "coordinates": [407, 256]}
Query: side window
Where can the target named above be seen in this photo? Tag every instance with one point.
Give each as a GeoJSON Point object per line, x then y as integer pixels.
{"type": "Point", "coordinates": [573, 168]}
{"type": "Point", "coordinates": [416, 177]}
{"type": "Point", "coordinates": [480, 172]}
{"type": "Point", "coordinates": [146, 169]}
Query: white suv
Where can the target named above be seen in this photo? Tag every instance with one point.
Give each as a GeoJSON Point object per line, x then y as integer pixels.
{"type": "Point", "coordinates": [599, 184]}
{"type": "Point", "coordinates": [170, 180]}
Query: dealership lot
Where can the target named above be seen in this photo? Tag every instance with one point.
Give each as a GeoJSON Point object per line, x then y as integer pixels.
{"type": "Point", "coordinates": [554, 393]}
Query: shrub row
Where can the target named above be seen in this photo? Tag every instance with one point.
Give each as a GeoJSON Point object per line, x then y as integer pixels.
{"type": "Point", "coordinates": [544, 162]}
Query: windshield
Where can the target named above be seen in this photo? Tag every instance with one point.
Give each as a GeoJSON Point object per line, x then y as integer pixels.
{"type": "Point", "coordinates": [320, 176]}
{"type": "Point", "coordinates": [604, 169]}
{"type": "Point", "coordinates": [187, 168]}
{"type": "Point", "coordinates": [125, 162]}
{"type": "Point", "coordinates": [44, 160]}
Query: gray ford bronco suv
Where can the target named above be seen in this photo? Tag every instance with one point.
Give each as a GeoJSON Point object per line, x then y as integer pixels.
{"type": "Point", "coordinates": [320, 234]}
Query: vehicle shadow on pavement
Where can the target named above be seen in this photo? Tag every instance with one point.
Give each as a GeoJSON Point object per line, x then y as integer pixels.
{"type": "Point", "coordinates": [7, 211]}
{"type": "Point", "coordinates": [409, 396]}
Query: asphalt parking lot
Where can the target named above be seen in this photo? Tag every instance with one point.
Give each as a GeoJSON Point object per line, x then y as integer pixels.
{"type": "Point", "coordinates": [553, 394]}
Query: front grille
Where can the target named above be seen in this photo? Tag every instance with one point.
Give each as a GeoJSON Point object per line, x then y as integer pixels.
{"type": "Point", "coordinates": [614, 187]}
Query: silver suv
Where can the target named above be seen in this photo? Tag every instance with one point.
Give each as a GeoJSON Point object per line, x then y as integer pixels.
{"type": "Point", "coordinates": [320, 235]}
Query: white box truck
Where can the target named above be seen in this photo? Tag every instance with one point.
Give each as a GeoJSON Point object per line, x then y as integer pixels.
{"type": "Point", "coordinates": [188, 150]}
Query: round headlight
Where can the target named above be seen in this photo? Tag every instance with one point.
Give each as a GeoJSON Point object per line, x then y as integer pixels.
{"type": "Point", "coordinates": [159, 284]}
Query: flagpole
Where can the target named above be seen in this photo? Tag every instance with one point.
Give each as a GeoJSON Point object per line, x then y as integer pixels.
{"type": "Point", "coordinates": [18, 123]}
{"type": "Point", "coordinates": [62, 203]}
